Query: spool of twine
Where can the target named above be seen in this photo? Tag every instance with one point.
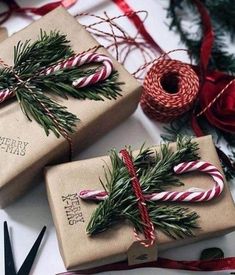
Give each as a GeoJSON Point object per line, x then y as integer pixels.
{"type": "Point", "coordinates": [170, 89]}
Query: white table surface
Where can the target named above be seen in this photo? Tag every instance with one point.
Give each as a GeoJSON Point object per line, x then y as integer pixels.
{"type": "Point", "coordinates": [27, 216]}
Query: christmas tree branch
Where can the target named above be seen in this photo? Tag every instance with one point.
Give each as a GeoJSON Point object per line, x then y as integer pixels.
{"type": "Point", "coordinates": [155, 172]}
{"type": "Point", "coordinates": [31, 85]}
{"type": "Point", "coordinates": [49, 114]}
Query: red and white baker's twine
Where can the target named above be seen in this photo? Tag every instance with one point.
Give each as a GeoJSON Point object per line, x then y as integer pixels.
{"type": "Point", "coordinates": [143, 210]}
{"type": "Point", "coordinates": [74, 61]}
{"type": "Point", "coordinates": [191, 195]}
{"type": "Point", "coordinates": [170, 89]}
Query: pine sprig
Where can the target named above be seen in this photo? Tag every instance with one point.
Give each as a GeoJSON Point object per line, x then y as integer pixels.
{"type": "Point", "coordinates": [60, 84]}
{"type": "Point", "coordinates": [52, 116]}
{"type": "Point", "coordinates": [155, 172]}
{"type": "Point", "coordinates": [30, 59]}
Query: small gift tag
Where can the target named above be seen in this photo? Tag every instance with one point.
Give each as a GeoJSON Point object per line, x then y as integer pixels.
{"type": "Point", "coordinates": [3, 34]}
{"type": "Point", "coordinates": [139, 254]}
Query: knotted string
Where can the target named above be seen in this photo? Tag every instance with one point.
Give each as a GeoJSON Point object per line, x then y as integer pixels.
{"type": "Point", "coordinates": [143, 210]}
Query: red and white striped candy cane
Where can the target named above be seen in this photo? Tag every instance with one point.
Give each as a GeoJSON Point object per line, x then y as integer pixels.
{"type": "Point", "coordinates": [75, 61]}
{"type": "Point", "coordinates": [82, 59]}
{"type": "Point", "coordinates": [6, 94]}
{"type": "Point", "coordinates": [182, 196]}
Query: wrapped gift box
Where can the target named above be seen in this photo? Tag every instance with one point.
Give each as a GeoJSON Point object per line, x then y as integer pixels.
{"type": "Point", "coordinates": [71, 214]}
{"type": "Point", "coordinates": [24, 147]}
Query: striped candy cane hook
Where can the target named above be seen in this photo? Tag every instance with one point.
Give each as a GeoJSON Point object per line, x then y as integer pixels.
{"type": "Point", "coordinates": [182, 196]}
{"type": "Point", "coordinates": [83, 59]}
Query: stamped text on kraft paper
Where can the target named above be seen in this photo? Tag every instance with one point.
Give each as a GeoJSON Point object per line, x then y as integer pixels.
{"type": "Point", "coordinates": [13, 146]}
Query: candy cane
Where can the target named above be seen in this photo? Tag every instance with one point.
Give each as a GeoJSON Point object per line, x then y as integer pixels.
{"type": "Point", "coordinates": [6, 94]}
{"type": "Point", "coordinates": [182, 196]}
{"type": "Point", "coordinates": [74, 61]}
{"type": "Point", "coordinates": [82, 59]}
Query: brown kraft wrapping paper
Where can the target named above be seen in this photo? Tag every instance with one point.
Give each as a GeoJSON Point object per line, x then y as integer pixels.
{"type": "Point", "coordinates": [24, 147]}
{"type": "Point", "coordinates": [3, 33]}
{"type": "Point", "coordinates": [71, 215]}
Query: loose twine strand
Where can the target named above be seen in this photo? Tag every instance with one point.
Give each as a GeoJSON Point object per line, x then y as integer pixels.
{"type": "Point", "coordinates": [216, 98]}
{"type": "Point", "coordinates": [119, 42]}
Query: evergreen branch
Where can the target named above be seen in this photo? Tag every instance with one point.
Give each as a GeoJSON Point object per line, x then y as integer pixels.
{"type": "Point", "coordinates": [47, 113]}
{"type": "Point", "coordinates": [60, 84]}
{"type": "Point", "coordinates": [48, 49]}
{"type": "Point", "coordinates": [31, 58]}
{"type": "Point", "coordinates": [155, 172]}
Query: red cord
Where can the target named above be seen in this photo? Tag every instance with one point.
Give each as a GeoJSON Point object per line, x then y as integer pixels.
{"type": "Point", "coordinates": [148, 226]}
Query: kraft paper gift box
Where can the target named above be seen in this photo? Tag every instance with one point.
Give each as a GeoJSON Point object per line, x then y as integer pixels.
{"type": "Point", "coordinates": [24, 147]}
{"type": "Point", "coordinates": [71, 214]}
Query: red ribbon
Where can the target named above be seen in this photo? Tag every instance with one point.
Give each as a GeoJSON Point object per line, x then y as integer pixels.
{"type": "Point", "coordinates": [201, 265]}
{"type": "Point", "coordinates": [208, 37]}
{"type": "Point", "coordinates": [13, 7]}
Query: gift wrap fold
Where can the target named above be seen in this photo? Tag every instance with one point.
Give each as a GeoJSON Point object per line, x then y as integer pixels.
{"type": "Point", "coordinates": [71, 214]}
{"type": "Point", "coordinates": [24, 147]}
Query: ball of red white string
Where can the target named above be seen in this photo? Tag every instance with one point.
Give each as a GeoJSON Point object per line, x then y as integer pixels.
{"type": "Point", "coordinates": [190, 195]}
{"type": "Point", "coordinates": [170, 88]}
{"type": "Point", "coordinates": [75, 61]}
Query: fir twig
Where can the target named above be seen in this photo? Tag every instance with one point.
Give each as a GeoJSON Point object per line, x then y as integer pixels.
{"type": "Point", "coordinates": [32, 58]}
{"type": "Point", "coordinates": [155, 171]}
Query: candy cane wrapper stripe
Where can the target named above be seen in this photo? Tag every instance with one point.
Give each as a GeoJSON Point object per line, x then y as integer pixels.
{"type": "Point", "coordinates": [183, 196]}
{"type": "Point", "coordinates": [6, 94]}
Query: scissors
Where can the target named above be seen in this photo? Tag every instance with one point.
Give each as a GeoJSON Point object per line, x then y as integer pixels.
{"type": "Point", "coordinates": [9, 261]}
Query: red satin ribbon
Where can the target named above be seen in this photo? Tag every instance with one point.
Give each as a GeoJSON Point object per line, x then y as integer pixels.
{"type": "Point", "coordinates": [208, 37]}
{"type": "Point", "coordinates": [202, 265]}
{"type": "Point", "coordinates": [214, 77]}
{"type": "Point", "coordinates": [13, 7]}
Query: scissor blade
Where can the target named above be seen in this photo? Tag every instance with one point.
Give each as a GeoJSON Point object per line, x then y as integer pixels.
{"type": "Point", "coordinates": [9, 261]}
{"type": "Point", "coordinates": [27, 265]}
